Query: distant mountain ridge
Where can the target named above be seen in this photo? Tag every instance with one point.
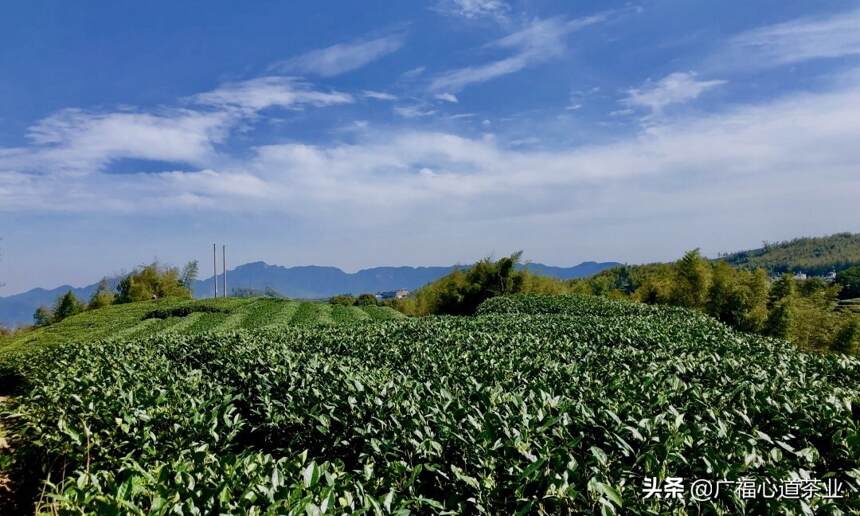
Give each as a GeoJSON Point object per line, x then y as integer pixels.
{"type": "Point", "coordinates": [305, 282]}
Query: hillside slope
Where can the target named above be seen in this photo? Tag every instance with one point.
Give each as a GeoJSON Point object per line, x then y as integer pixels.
{"type": "Point", "coordinates": [306, 282]}
{"type": "Point", "coordinates": [815, 256]}
{"type": "Point", "coordinates": [147, 318]}
{"type": "Point", "coordinates": [540, 405]}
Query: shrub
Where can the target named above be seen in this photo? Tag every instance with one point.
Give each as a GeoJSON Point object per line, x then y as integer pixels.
{"type": "Point", "coordinates": [183, 311]}
{"type": "Point", "coordinates": [103, 296]}
{"type": "Point", "coordinates": [366, 300]}
{"type": "Point", "coordinates": [342, 299]}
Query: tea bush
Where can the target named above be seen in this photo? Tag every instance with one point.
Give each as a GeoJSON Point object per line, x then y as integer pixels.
{"type": "Point", "coordinates": [500, 413]}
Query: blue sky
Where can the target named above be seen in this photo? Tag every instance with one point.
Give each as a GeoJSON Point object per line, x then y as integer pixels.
{"type": "Point", "coordinates": [372, 133]}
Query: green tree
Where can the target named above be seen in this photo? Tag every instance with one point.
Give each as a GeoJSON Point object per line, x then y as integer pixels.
{"type": "Point", "coordinates": [783, 288]}
{"type": "Point", "coordinates": [67, 305]}
{"type": "Point", "coordinates": [103, 296]}
{"type": "Point", "coordinates": [461, 291]}
{"type": "Point", "coordinates": [755, 316]}
{"type": "Point", "coordinates": [848, 338]}
{"type": "Point", "coordinates": [849, 279]}
{"type": "Point", "coordinates": [152, 281]}
{"type": "Point", "coordinates": [654, 290]}
{"type": "Point", "coordinates": [42, 316]}
{"type": "Point", "coordinates": [342, 299]}
{"type": "Point", "coordinates": [692, 281]}
{"type": "Point", "coordinates": [724, 296]}
{"type": "Point", "coordinates": [623, 282]}
{"type": "Point", "coordinates": [782, 319]}
{"type": "Point", "coordinates": [189, 274]}
{"type": "Point", "coordinates": [486, 279]}
{"type": "Point", "coordinates": [737, 297]}
{"type": "Point", "coordinates": [366, 300]}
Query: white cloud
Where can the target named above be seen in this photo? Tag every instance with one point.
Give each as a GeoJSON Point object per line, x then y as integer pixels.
{"type": "Point", "coordinates": [77, 140]}
{"type": "Point", "coordinates": [447, 97]}
{"type": "Point", "coordinates": [413, 111]}
{"type": "Point", "coordinates": [474, 9]}
{"type": "Point", "coordinates": [82, 142]}
{"type": "Point", "coordinates": [675, 88]}
{"type": "Point", "coordinates": [264, 92]}
{"type": "Point", "coordinates": [541, 41]}
{"type": "Point", "coordinates": [210, 183]}
{"type": "Point", "coordinates": [378, 95]}
{"type": "Point", "coordinates": [342, 57]}
{"type": "Point", "coordinates": [796, 41]}
{"type": "Point", "coordinates": [414, 73]}
{"type": "Point", "coordinates": [750, 171]}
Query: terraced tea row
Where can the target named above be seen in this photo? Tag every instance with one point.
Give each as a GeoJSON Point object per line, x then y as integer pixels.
{"type": "Point", "coordinates": [498, 413]}
{"type": "Point", "coordinates": [136, 320]}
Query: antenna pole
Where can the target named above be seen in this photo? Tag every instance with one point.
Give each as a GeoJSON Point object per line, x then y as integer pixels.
{"type": "Point", "coordinates": [224, 265]}
{"type": "Point", "coordinates": [215, 269]}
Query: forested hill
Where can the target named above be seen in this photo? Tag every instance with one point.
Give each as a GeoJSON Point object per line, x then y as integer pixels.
{"type": "Point", "coordinates": [816, 256]}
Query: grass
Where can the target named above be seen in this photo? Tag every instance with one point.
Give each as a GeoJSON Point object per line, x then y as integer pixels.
{"type": "Point", "coordinates": [129, 321]}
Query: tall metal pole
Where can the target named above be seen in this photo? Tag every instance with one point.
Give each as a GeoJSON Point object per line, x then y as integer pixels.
{"type": "Point", "coordinates": [215, 268]}
{"type": "Point", "coordinates": [224, 265]}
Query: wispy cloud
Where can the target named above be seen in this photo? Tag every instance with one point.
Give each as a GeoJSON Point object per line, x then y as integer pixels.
{"type": "Point", "coordinates": [342, 57]}
{"type": "Point", "coordinates": [264, 92]}
{"type": "Point", "coordinates": [446, 97]}
{"type": "Point", "coordinates": [474, 9]}
{"type": "Point", "coordinates": [413, 111]}
{"type": "Point", "coordinates": [795, 41]}
{"type": "Point", "coordinates": [414, 73]}
{"type": "Point", "coordinates": [541, 41]}
{"type": "Point", "coordinates": [675, 88]}
{"type": "Point", "coordinates": [743, 159]}
{"type": "Point", "coordinates": [378, 95]}
{"type": "Point", "coordinates": [82, 142]}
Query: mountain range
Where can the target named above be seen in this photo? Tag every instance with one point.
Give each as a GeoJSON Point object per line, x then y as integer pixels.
{"type": "Point", "coordinates": [305, 282]}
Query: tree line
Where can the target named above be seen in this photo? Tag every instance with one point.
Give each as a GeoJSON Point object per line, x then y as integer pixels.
{"type": "Point", "coordinates": [804, 311]}
{"type": "Point", "coordinates": [147, 282]}
{"type": "Point", "coordinates": [816, 255]}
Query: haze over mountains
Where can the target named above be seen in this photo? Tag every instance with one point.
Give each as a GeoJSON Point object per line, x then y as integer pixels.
{"type": "Point", "coordinates": [308, 282]}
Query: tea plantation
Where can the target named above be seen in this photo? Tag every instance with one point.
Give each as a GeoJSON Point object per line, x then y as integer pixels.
{"type": "Point", "coordinates": [536, 405]}
{"type": "Point", "coordinates": [137, 320]}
